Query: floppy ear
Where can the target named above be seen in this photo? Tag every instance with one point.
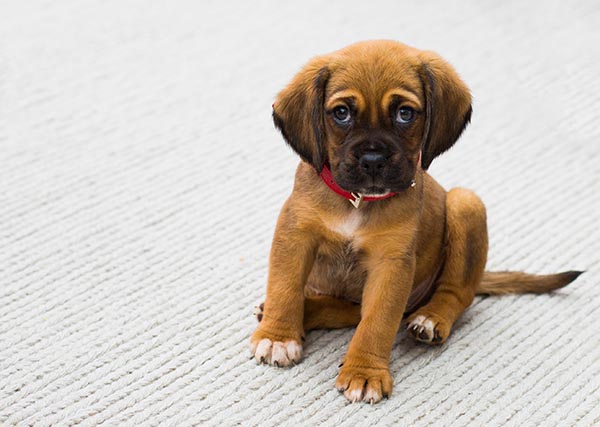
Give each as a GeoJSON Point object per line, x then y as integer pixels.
{"type": "Point", "coordinates": [298, 112]}
{"type": "Point", "coordinates": [448, 106]}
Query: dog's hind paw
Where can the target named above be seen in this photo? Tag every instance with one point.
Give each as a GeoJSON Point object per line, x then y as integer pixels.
{"type": "Point", "coordinates": [427, 328]}
{"type": "Point", "coordinates": [258, 311]}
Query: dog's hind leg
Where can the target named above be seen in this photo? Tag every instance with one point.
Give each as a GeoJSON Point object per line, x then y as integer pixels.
{"type": "Point", "coordinates": [466, 255]}
{"type": "Point", "coordinates": [325, 312]}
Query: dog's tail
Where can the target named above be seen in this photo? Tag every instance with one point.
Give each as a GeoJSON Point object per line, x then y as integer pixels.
{"type": "Point", "coordinates": [516, 282]}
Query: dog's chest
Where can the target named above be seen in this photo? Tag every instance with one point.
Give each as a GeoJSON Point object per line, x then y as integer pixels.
{"type": "Point", "coordinates": [338, 269]}
{"type": "Point", "coordinates": [348, 226]}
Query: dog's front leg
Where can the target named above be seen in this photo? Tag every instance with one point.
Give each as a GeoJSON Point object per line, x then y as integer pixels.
{"type": "Point", "coordinates": [277, 339]}
{"type": "Point", "coordinates": [365, 374]}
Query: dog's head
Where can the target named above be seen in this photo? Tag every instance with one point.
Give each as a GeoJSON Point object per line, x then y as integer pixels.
{"type": "Point", "coordinates": [371, 111]}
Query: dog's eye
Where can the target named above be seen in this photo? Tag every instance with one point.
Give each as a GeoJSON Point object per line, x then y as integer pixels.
{"type": "Point", "coordinates": [405, 115]}
{"type": "Point", "coordinates": [341, 114]}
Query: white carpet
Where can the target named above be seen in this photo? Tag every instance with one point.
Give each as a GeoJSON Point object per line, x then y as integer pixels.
{"type": "Point", "coordinates": [140, 181]}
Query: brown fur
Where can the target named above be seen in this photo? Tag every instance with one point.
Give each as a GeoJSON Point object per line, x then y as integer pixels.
{"type": "Point", "coordinates": [328, 257]}
{"type": "Point", "coordinates": [516, 282]}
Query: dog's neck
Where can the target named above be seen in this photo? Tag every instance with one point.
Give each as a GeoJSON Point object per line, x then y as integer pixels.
{"type": "Point", "coordinates": [355, 198]}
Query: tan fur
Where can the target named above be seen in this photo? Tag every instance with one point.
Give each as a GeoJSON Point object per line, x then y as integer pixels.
{"type": "Point", "coordinates": [328, 257]}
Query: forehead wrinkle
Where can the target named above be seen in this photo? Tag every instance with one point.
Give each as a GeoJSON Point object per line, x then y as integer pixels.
{"type": "Point", "coordinates": [403, 93]}
{"type": "Point", "coordinates": [345, 94]}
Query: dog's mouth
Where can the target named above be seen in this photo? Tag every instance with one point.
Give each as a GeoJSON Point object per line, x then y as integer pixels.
{"type": "Point", "coordinates": [374, 191]}
{"type": "Point", "coordinates": [373, 187]}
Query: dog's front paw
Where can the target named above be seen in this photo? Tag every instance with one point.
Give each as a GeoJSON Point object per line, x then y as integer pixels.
{"type": "Point", "coordinates": [362, 384]}
{"type": "Point", "coordinates": [277, 353]}
{"type": "Point", "coordinates": [428, 328]}
{"type": "Point", "coordinates": [277, 350]}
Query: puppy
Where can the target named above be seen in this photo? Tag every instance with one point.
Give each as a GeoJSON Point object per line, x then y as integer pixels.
{"type": "Point", "coordinates": [367, 235]}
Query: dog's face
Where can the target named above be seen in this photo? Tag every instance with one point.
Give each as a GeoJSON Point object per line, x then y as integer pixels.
{"type": "Point", "coordinates": [371, 111]}
{"type": "Point", "coordinates": [373, 122]}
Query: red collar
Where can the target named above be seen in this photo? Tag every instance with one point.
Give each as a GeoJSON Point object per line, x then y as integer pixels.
{"type": "Point", "coordinates": [354, 198]}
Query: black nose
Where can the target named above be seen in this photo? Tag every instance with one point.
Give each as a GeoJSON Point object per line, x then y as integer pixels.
{"type": "Point", "coordinates": [372, 163]}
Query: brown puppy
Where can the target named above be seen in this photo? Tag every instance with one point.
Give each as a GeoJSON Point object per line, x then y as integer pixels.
{"type": "Point", "coordinates": [367, 122]}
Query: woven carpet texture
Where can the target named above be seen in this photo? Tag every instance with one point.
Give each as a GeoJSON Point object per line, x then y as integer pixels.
{"type": "Point", "coordinates": [141, 177]}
